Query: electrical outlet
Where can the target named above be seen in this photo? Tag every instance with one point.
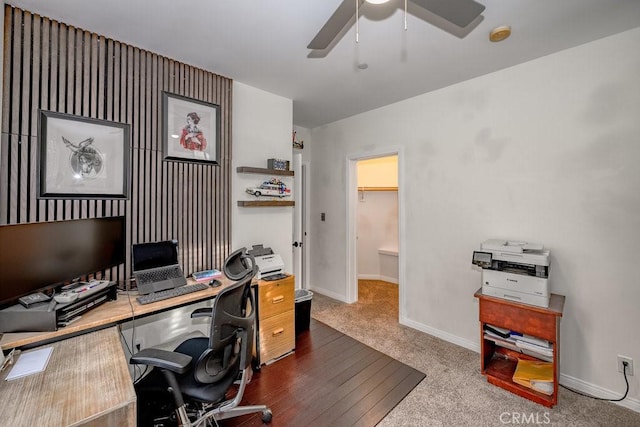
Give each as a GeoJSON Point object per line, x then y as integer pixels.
{"type": "Point", "coordinates": [138, 344]}
{"type": "Point", "coordinates": [629, 364]}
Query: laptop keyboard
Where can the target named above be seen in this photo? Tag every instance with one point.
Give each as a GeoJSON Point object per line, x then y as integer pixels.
{"type": "Point", "coordinates": [171, 293]}
{"type": "Point", "coordinates": [160, 275]}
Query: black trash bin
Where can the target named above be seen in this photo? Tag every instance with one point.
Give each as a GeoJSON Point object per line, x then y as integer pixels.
{"type": "Point", "coordinates": [303, 310]}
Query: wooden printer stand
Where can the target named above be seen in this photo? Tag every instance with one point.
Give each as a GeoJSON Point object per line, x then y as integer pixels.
{"type": "Point", "coordinates": [498, 363]}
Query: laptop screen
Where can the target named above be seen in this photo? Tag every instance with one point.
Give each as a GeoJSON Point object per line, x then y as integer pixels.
{"type": "Point", "coordinates": [153, 255]}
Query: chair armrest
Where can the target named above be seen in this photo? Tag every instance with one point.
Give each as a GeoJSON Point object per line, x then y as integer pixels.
{"type": "Point", "coordinates": [201, 312]}
{"type": "Point", "coordinates": [163, 359]}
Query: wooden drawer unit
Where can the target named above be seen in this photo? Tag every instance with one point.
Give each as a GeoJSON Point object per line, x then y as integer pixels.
{"type": "Point", "coordinates": [275, 328]}
{"type": "Point", "coordinates": [277, 335]}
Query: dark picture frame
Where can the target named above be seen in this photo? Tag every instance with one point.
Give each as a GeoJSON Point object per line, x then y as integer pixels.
{"type": "Point", "coordinates": [190, 129]}
{"type": "Point", "coordinates": [82, 157]}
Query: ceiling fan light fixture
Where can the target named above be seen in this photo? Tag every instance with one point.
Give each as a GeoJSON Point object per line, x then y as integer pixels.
{"type": "Point", "coordinates": [458, 12]}
{"type": "Point", "coordinates": [500, 33]}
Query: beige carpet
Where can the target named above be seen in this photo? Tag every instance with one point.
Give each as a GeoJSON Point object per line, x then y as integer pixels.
{"type": "Point", "coordinates": [454, 393]}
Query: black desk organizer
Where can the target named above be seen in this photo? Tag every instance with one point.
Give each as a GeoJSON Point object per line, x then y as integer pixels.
{"type": "Point", "coordinates": [38, 318]}
{"type": "Point", "coordinates": [67, 313]}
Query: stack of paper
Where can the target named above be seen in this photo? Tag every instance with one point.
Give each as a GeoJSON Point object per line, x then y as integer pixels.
{"type": "Point", "coordinates": [531, 343]}
{"type": "Point", "coordinates": [535, 375]}
{"type": "Point", "coordinates": [30, 362]}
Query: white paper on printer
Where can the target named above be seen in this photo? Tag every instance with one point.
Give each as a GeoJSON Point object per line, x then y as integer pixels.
{"type": "Point", "coordinates": [510, 246]}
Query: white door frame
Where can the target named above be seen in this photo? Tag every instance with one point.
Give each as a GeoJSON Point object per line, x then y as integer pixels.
{"type": "Point", "coordinates": [300, 222]}
{"type": "Point", "coordinates": [352, 203]}
{"type": "Point", "coordinates": [305, 224]}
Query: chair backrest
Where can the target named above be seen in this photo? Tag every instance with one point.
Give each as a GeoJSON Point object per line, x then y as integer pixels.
{"type": "Point", "coordinates": [232, 333]}
{"type": "Point", "coordinates": [238, 264]}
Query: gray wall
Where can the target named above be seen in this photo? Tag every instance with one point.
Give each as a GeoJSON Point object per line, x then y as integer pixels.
{"type": "Point", "coordinates": [546, 151]}
{"type": "Point", "coordinates": [52, 66]}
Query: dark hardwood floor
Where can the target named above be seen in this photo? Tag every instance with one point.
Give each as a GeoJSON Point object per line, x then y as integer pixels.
{"type": "Point", "coordinates": [330, 380]}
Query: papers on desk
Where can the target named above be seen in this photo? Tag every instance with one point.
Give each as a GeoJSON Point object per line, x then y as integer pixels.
{"type": "Point", "coordinates": [30, 363]}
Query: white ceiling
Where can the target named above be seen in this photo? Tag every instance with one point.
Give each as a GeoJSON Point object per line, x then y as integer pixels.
{"type": "Point", "coordinates": [262, 43]}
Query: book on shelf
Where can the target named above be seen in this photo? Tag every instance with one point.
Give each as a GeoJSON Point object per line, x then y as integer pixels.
{"type": "Point", "coordinates": [206, 275]}
{"type": "Point", "coordinates": [547, 351]}
{"type": "Point", "coordinates": [530, 339]}
{"type": "Point", "coordinates": [510, 344]}
{"type": "Point", "coordinates": [501, 332]}
{"type": "Point", "coordinates": [535, 375]}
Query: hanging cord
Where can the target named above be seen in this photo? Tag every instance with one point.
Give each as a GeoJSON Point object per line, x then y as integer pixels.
{"type": "Point", "coordinates": [405, 15]}
{"type": "Point", "coordinates": [357, 19]}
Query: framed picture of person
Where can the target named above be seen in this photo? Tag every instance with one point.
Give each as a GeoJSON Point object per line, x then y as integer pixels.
{"type": "Point", "coordinates": [82, 157]}
{"type": "Point", "coordinates": [191, 129]}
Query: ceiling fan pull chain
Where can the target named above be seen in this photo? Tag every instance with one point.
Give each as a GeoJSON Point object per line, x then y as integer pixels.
{"type": "Point", "coordinates": [357, 19]}
{"type": "Point", "coordinates": [405, 15]}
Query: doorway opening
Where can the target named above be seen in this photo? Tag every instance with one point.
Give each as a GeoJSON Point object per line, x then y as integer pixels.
{"type": "Point", "coordinates": [375, 225]}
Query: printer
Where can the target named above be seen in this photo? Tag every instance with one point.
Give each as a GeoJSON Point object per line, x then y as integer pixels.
{"type": "Point", "coordinates": [269, 264]}
{"type": "Point", "coordinates": [517, 271]}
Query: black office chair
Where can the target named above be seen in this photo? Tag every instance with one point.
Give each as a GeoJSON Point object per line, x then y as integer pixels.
{"type": "Point", "coordinates": [190, 385]}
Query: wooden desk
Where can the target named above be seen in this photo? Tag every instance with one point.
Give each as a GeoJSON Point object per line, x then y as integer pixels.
{"type": "Point", "coordinates": [86, 382]}
{"type": "Point", "coordinates": [108, 314]}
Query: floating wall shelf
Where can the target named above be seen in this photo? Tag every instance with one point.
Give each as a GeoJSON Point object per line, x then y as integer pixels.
{"type": "Point", "coordinates": [265, 171]}
{"type": "Point", "coordinates": [261, 203]}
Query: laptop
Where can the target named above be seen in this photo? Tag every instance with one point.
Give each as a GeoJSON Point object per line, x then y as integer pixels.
{"type": "Point", "coordinates": [155, 266]}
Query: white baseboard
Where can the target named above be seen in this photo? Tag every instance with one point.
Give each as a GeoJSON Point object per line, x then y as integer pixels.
{"type": "Point", "coordinates": [378, 277]}
{"type": "Point", "coordinates": [597, 391]}
{"type": "Point", "coordinates": [393, 280]}
{"type": "Point", "coordinates": [446, 336]}
{"type": "Point", "coordinates": [329, 293]}
{"type": "Point", "coordinates": [571, 382]}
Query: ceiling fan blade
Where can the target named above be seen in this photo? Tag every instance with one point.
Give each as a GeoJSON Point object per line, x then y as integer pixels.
{"type": "Point", "coordinates": [334, 25]}
{"type": "Point", "coordinates": [458, 12]}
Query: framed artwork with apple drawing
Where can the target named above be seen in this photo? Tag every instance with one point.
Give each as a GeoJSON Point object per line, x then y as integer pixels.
{"type": "Point", "coordinates": [190, 129]}
{"type": "Point", "coordinates": [82, 157]}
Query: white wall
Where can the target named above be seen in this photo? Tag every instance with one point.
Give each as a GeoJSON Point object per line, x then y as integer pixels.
{"type": "Point", "coordinates": [262, 125]}
{"type": "Point", "coordinates": [261, 130]}
{"type": "Point", "coordinates": [546, 151]}
{"type": "Point", "coordinates": [377, 219]}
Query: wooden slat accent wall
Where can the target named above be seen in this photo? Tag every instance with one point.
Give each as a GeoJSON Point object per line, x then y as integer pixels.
{"type": "Point", "coordinates": [52, 66]}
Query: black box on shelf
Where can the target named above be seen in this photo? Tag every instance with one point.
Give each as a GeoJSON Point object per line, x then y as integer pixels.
{"type": "Point", "coordinates": [41, 318]}
{"type": "Point", "coordinates": [278, 164]}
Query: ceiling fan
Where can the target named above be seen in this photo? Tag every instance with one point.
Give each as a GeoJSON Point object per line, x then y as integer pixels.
{"type": "Point", "coordinates": [459, 12]}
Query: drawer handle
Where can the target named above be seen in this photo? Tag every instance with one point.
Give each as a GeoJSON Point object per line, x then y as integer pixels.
{"type": "Point", "coordinates": [277, 332]}
{"type": "Point", "coordinates": [278, 299]}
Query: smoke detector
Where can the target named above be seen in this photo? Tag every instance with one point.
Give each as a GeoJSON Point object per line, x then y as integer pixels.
{"type": "Point", "coordinates": [500, 33]}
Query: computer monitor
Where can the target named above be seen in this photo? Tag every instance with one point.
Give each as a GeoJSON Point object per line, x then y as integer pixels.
{"type": "Point", "coordinates": [37, 256]}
